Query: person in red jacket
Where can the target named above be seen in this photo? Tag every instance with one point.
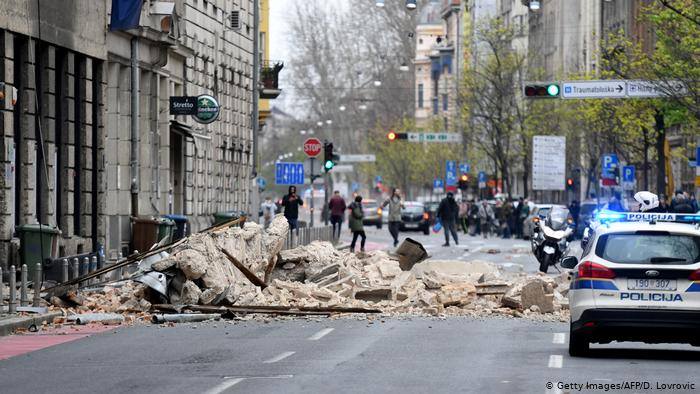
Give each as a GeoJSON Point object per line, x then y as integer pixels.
{"type": "Point", "coordinates": [337, 207]}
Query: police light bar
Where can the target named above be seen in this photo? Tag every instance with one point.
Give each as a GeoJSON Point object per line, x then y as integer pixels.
{"type": "Point", "coordinates": [606, 216]}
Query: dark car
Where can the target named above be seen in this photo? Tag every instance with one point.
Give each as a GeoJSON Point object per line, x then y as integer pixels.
{"type": "Point", "coordinates": [414, 217]}
{"type": "Point", "coordinates": [373, 213]}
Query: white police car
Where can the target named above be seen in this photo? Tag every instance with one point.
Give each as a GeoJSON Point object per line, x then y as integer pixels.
{"type": "Point", "coordinates": [638, 280]}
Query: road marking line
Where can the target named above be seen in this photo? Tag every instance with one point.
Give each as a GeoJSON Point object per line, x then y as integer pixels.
{"type": "Point", "coordinates": [320, 334]}
{"type": "Point", "coordinates": [278, 358]}
{"type": "Point", "coordinates": [555, 361]}
{"type": "Point", "coordinates": [224, 386]}
{"type": "Point", "coordinates": [559, 338]}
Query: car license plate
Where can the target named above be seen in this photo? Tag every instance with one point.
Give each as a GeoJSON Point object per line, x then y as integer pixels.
{"type": "Point", "coordinates": [411, 225]}
{"type": "Point", "coordinates": [651, 284]}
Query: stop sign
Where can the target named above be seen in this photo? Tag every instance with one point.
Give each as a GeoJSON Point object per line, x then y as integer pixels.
{"type": "Point", "coordinates": [312, 147]}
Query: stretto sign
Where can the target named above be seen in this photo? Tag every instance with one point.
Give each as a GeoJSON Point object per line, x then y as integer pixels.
{"type": "Point", "coordinates": [207, 109]}
{"type": "Point", "coordinates": [204, 109]}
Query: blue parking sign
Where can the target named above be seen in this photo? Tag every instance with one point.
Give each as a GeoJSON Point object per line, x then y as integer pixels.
{"type": "Point", "coordinates": [464, 168]}
{"type": "Point", "coordinates": [438, 184]}
{"type": "Point", "coordinates": [289, 173]}
{"type": "Point", "coordinates": [450, 173]}
{"type": "Point", "coordinates": [628, 174]}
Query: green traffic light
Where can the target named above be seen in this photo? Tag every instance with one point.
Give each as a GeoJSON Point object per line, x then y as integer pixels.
{"type": "Point", "coordinates": [329, 164]}
{"type": "Point", "coordinates": [553, 90]}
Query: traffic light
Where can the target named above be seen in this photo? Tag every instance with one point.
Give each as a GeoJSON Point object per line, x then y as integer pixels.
{"type": "Point", "coordinates": [393, 136]}
{"type": "Point", "coordinates": [570, 184]}
{"type": "Point", "coordinates": [550, 90]}
{"type": "Point", "coordinates": [464, 182]}
{"type": "Point", "coordinates": [329, 158]}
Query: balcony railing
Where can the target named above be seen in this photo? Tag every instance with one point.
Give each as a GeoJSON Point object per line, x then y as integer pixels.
{"type": "Point", "coordinates": [269, 77]}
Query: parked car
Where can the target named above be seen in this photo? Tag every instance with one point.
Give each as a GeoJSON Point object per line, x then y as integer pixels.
{"type": "Point", "coordinates": [373, 213]}
{"type": "Point", "coordinates": [414, 217]}
{"type": "Point", "coordinates": [537, 213]}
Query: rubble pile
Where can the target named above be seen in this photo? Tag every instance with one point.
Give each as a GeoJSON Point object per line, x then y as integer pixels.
{"type": "Point", "coordinates": [239, 267]}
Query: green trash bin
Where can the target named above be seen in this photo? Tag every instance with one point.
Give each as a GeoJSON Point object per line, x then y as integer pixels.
{"type": "Point", "coordinates": [225, 216]}
{"type": "Point", "coordinates": [37, 241]}
{"type": "Point", "coordinates": [166, 228]}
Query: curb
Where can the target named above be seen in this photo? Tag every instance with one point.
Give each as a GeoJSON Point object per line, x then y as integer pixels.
{"type": "Point", "coordinates": [9, 325]}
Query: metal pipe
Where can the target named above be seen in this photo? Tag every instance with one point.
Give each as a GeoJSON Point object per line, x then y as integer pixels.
{"type": "Point", "coordinates": [13, 290]}
{"type": "Point", "coordinates": [134, 159]}
{"type": "Point", "coordinates": [104, 318]}
{"type": "Point", "coordinates": [2, 287]}
{"type": "Point", "coordinates": [100, 265]}
{"type": "Point", "coordinates": [23, 298]}
{"type": "Point", "coordinates": [64, 271]}
{"type": "Point", "coordinates": [37, 286]}
{"type": "Point", "coordinates": [93, 268]}
{"type": "Point", "coordinates": [185, 317]}
{"type": "Point", "coordinates": [256, 82]}
{"type": "Point", "coordinates": [84, 267]}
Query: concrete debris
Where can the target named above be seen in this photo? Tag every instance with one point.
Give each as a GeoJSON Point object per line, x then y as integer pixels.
{"type": "Point", "coordinates": [245, 268]}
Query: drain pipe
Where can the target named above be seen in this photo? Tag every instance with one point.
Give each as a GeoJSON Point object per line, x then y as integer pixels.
{"type": "Point", "coordinates": [134, 157]}
{"type": "Point", "coordinates": [256, 82]}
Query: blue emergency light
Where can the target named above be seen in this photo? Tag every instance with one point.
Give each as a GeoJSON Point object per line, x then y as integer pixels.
{"type": "Point", "coordinates": [606, 216]}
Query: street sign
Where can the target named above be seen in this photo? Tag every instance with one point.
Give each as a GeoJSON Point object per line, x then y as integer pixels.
{"type": "Point", "coordinates": [358, 158]}
{"type": "Point", "coordinates": [641, 89]}
{"type": "Point", "coordinates": [312, 147]}
{"type": "Point", "coordinates": [434, 137]}
{"type": "Point", "coordinates": [548, 162]}
{"type": "Point", "coordinates": [207, 110]}
{"type": "Point", "coordinates": [289, 173]}
{"type": "Point", "coordinates": [450, 173]}
{"type": "Point", "coordinates": [482, 180]}
{"type": "Point", "coordinates": [438, 186]}
{"type": "Point", "coordinates": [594, 89]}
{"type": "Point", "coordinates": [610, 162]}
{"type": "Point", "coordinates": [262, 182]}
{"type": "Point", "coordinates": [344, 168]}
{"type": "Point", "coordinates": [628, 174]}
{"type": "Point", "coordinates": [464, 168]}
{"type": "Point", "coordinates": [377, 179]}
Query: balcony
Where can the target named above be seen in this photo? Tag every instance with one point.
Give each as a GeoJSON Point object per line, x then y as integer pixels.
{"type": "Point", "coordinates": [269, 77]}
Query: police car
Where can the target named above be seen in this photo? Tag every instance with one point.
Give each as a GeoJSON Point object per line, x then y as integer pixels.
{"type": "Point", "coordinates": [638, 280]}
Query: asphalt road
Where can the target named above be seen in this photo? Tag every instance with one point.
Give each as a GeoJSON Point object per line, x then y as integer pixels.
{"type": "Point", "coordinates": [513, 255]}
{"type": "Point", "coordinates": [340, 356]}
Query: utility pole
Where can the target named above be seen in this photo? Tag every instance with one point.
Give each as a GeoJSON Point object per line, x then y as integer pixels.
{"type": "Point", "coordinates": [254, 199]}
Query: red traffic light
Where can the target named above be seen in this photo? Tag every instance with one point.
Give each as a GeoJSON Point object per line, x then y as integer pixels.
{"type": "Point", "coordinates": [464, 178]}
{"type": "Point", "coordinates": [391, 136]}
{"type": "Point", "coordinates": [570, 181]}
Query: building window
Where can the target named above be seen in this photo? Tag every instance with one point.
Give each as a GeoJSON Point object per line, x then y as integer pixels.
{"type": "Point", "coordinates": [435, 105]}
{"type": "Point", "coordinates": [420, 95]}
{"type": "Point", "coordinates": [444, 102]}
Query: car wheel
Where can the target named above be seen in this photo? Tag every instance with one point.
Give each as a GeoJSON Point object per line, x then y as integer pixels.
{"type": "Point", "coordinates": [379, 225]}
{"type": "Point", "coordinates": [578, 345]}
{"type": "Point", "coordinates": [426, 230]}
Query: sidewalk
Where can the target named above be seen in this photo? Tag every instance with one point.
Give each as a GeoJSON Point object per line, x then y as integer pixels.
{"type": "Point", "coordinates": [11, 323]}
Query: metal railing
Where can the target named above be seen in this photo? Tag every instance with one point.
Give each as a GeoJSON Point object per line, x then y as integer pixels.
{"type": "Point", "coordinates": [306, 235]}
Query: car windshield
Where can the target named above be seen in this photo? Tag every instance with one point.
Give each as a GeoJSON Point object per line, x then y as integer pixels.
{"type": "Point", "coordinates": [369, 205]}
{"type": "Point", "coordinates": [543, 211]}
{"type": "Point", "coordinates": [649, 248]}
{"type": "Point", "coordinates": [414, 209]}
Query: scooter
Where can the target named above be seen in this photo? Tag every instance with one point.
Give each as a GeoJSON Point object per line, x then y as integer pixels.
{"type": "Point", "coordinates": [550, 242]}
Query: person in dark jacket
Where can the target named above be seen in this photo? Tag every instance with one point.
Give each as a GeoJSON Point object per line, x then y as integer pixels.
{"type": "Point", "coordinates": [355, 221]}
{"type": "Point", "coordinates": [448, 212]}
{"type": "Point", "coordinates": [291, 203]}
{"type": "Point", "coordinates": [337, 207]}
{"type": "Point", "coordinates": [681, 205]}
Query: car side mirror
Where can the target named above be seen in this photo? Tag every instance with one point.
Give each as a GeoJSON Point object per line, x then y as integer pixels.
{"type": "Point", "coordinates": [569, 262]}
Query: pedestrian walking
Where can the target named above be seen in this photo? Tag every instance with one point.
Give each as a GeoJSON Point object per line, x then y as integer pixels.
{"type": "Point", "coordinates": [464, 216]}
{"type": "Point", "coordinates": [485, 218]}
{"type": "Point", "coordinates": [337, 207]}
{"type": "Point", "coordinates": [448, 212]}
{"type": "Point", "coordinates": [291, 203]}
{"type": "Point", "coordinates": [473, 217]}
{"type": "Point", "coordinates": [356, 216]}
{"type": "Point", "coordinates": [506, 218]}
{"type": "Point", "coordinates": [395, 206]}
{"type": "Point", "coordinates": [523, 212]}
{"type": "Point", "coordinates": [693, 202]}
{"type": "Point", "coordinates": [268, 211]}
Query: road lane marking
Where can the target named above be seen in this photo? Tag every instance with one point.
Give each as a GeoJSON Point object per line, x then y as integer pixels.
{"type": "Point", "coordinates": [320, 334]}
{"type": "Point", "coordinates": [556, 361]}
{"type": "Point", "coordinates": [224, 386]}
{"type": "Point", "coordinates": [278, 357]}
{"type": "Point", "coordinates": [559, 338]}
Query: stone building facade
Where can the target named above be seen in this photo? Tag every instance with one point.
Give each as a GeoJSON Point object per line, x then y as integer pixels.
{"type": "Point", "coordinates": [53, 64]}
{"type": "Point", "coordinates": [97, 170]}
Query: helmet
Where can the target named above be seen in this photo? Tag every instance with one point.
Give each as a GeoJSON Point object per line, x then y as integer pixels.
{"type": "Point", "coordinates": [646, 200]}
